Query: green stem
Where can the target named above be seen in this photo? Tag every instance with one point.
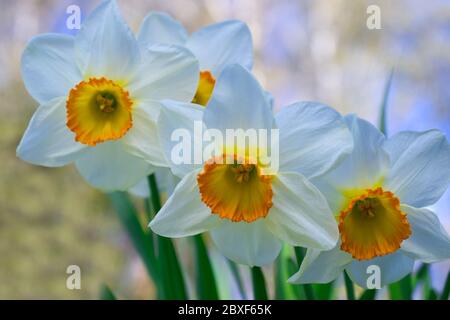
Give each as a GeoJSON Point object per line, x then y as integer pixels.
{"type": "Point", "coordinates": [206, 282]}
{"type": "Point", "coordinates": [172, 279]}
{"type": "Point", "coordinates": [349, 287]}
{"type": "Point", "coordinates": [259, 284]}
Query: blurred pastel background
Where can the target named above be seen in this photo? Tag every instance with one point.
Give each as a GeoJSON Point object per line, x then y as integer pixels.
{"type": "Point", "coordinates": [304, 50]}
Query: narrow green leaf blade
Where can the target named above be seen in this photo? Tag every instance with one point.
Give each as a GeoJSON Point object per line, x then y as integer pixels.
{"type": "Point", "coordinates": [172, 284]}
{"type": "Point", "coordinates": [206, 282]}
{"type": "Point", "coordinates": [259, 284]}
{"type": "Point", "coordinates": [402, 289]}
{"type": "Point", "coordinates": [369, 294]}
{"type": "Point", "coordinates": [141, 240]}
{"type": "Point", "coordinates": [106, 293]}
{"type": "Point", "coordinates": [349, 287]}
{"type": "Point", "coordinates": [446, 291]}
{"type": "Point", "coordinates": [323, 291]}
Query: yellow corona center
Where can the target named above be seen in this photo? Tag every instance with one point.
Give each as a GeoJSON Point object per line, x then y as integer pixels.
{"type": "Point", "coordinates": [205, 88]}
{"type": "Point", "coordinates": [237, 191]}
{"type": "Point", "coordinates": [98, 110]}
{"type": "Point", "coordinates": [372, 224]}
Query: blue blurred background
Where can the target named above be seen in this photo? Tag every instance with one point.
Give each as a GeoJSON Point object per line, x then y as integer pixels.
{"type": "Point", "coordinates": [304, 50]}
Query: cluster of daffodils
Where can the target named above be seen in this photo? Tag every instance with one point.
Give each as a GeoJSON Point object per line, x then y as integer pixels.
{"type": "Point", "coordinates": [110, 102]}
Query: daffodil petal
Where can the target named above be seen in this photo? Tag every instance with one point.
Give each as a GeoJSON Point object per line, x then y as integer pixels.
{"type": "Point", "coordinates": [238, 102]}
{"type": "Point", "coordinates": [164, 178]}
{"type": "Point", "coordinates": [314, 138]}
{"type": "Point", "coordinates": [108, 166]}
{"type": "Point", "coordinates": [321, 266]}
{"type": "Point", "coordinates": [420, 169]}
{"type": "Point", "coordinates": [159, 27]}
{"type": "Point", "coordinates": [393, 267]}
{"type": "Point", "coordinates": [48, 67]}
{"type": "Point", "coordinates": [429, 242]}
{"type": "Point", "coordinates": [251, 244]}
{"type": "Point", "coordinates": [166, 72]}
{"type": "Point", "coordinates": [142, 139]}
{"type": "Point", "coordinates": [184, 214]}
{"type": "Point", "coordinates": [221, 44]}
{"type": "Point", "coordinates": [105, 45]}
{"type": "Point", "coordinates": [363, 168]}
{"type": "Point", "coordinates": [176, 125]}
{"type": "Point", "coordinates": [300, 214]}
{"type": "Point", "coordinates": [47, 140]}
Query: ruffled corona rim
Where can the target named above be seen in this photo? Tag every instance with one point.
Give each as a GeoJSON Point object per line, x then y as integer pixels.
{"type": "Point", "coordinates": [98, 110]}
{"type": "Point", "coordinates": [237, 191]}
{"type": "Point", "coordinates": [373, 225]}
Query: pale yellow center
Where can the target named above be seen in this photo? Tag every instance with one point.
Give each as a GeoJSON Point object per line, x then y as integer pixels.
{"type": "Point", "coordinates": [98, 110]}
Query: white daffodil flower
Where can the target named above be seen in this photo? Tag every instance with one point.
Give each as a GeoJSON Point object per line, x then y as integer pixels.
{"type": "Point", "coordinates": [99, 96]}
{"type": "Point", "coordinates": [378, 195]}
{"type": "Point", "coordinates": [215, 46]}
{"type": "Point", "coordinates": [250, 211]}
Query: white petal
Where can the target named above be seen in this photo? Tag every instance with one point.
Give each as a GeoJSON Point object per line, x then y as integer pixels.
{"type": "Point", "coordinates": [105, 46]}
{"type": "Point", "coordinates": [48, 67]}
{"type": "Point", "coordinates": [166, 184]}
{"type": "Point", "coordinates": [238, 102]}
{"type": "Point", "coordinates": [246, 243]}
{"type": "Point", "coordinates": [141, 189]}
{"type": "Point", "coordinates": [363, 168]}
{"type": "Point", "coordinates": [142, 139]}
{"type": "Point", "coordinates": [180, 117]}
{"type": "Point", "coordinates": [429, 242]}
{"type": "Point", "coordinates": [321, 266]}
{"type": "Point", "coordinates": [420, 169]}
{"type": "Point", "coordinates": [393, 267]}
{"type": "Point", "coordinates": [313, 138]}
{"type": "Point", "coordinates": [184, 214]}
{"type": "Point", "coordinates": [109, 167]}
{"type": "Point", "coordinates": [159, 27]}
{"type": "Point", "coordinates": [47, 140]}
{"type": "Point", "coordinates": [165, 72]}
{"type": "Point", "coordinates": [221, 44]}
{"type": "Point", "coordinates": [300, 214]}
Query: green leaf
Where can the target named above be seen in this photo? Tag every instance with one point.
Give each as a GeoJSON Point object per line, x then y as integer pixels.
{"type": "Point", "coordinates": [307, 288]}
{"type": "Point", "coordinates": [259, 284]}
{"type": "Point", "coordinates": [349, 288]}
{"type": "Point", "coordinates": [298, 290]}
{"type": "Point", "coordinates": [106, 293]}
{"type": "Point", "coordinates": [171, 277]}
{"type": "Point", "coordinates": [283, 289]}
{"type": "Point", "coordinates": [141, 238]}
{"type": "Point", "coordinates": [446, 291]}
{"type": "Point", "coordinates": [323, 291]}
{"type": "Point", "coordinates": [368, 294]}
{"type": "Point", "coordinates": [384, 102]}
{"type": "Point", "coordinates": [432, 295]}
{"type": "Point", "coordinates": [402, 289]}
{"type": "Point", "coordinates": [237, 277]}
{"type": "Point", "coordinates": [206, 282]}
